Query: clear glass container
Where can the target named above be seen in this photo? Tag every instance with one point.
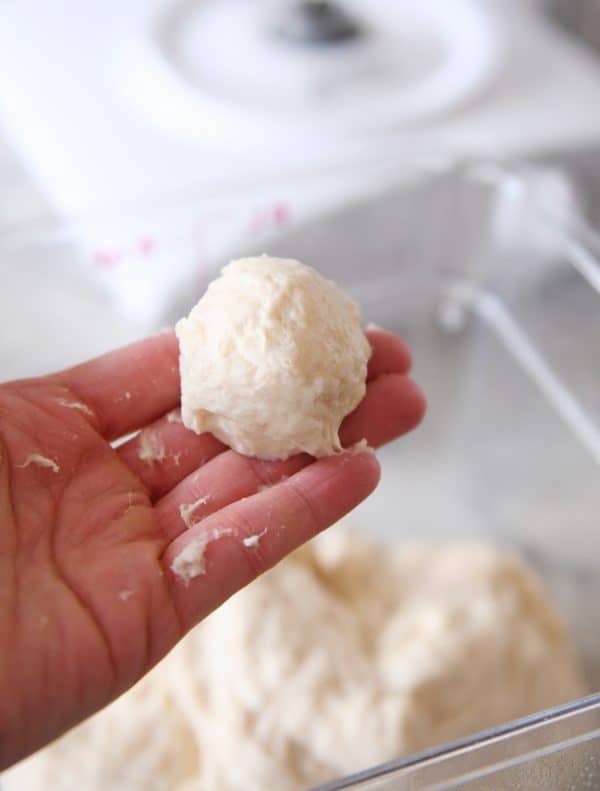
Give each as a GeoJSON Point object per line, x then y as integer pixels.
{"type": "Point", "coordinates": [497, 295]}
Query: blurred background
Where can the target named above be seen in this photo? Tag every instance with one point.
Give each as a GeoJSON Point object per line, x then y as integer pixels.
{"type": "Point", "coordinates": [103, 105]}
{"type": "Point", "coordinates": [280, 108]}
{"type": "Point", "coordinates": [110, 113]}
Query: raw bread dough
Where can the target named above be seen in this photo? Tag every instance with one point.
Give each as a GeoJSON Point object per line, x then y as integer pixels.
{"type": "Point", "coordinates": [341, 657]}
{"type": "Point", "coordinates": [273, 357]}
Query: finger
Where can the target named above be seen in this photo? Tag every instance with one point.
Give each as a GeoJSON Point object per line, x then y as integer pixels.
{"type": "Point", "coordinates": [390, 353]}
{"type": "Point", "coordinates": [224, 552]}
{"type": "Point", "coordinates": [129, 387]}
{"type": "Point", "coordinates": [165, 453]}
{"type": "Point", "coordinates": [392, 406]}
{"type": "Point", "coordinates": [221, 482]}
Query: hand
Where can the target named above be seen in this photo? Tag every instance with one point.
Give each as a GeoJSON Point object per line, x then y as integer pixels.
{"type": "Point", "coordinates": [88, 533]}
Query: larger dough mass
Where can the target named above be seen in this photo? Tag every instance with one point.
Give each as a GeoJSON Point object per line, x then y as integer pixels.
{"type": "Point", "coordinates": [343, 656]}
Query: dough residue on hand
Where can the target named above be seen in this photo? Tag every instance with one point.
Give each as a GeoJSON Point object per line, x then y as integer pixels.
{"type": "Point", "coordinates": [74, 405]}
{"type": "Point", "coordinates": [187, 511]}
{"type": "Point", "coordinates": [189, 563]}
{"type": "Point", "coordinates": [151, 447]}
{"type": "Point", "coordinates": [40, 461]}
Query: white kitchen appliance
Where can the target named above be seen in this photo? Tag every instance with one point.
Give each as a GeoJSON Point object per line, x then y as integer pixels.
{"type": "Point", "coordinates": [117, 109]}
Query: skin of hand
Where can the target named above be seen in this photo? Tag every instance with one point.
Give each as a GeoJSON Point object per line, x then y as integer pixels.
{"type": "Point", "coordinates": [89, 531]}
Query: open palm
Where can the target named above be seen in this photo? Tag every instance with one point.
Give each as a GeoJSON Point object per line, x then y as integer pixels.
{"type": "Point", "coordinates": [88, 532]}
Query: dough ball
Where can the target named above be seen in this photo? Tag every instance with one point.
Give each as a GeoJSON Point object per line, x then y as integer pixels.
{"type": "Point", "coordinates": [343, 656]}
{"type": "Point", "coordinates": [272, 358]}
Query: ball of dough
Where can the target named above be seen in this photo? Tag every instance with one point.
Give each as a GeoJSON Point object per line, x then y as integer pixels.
{"type": "Point", "coordinates": [272, 358]}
